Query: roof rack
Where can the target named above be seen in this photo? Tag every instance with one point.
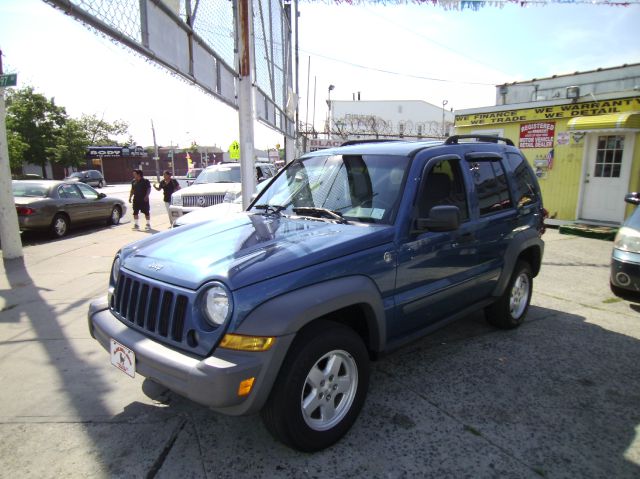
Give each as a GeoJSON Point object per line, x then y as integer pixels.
{"type": "Point", "coordinates": [369, 140]}
{"type": "Point", "coordinates": [453, 140]}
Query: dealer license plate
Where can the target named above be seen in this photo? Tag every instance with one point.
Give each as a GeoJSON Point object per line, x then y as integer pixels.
{"type": "Point", "coordinates": [123, 358]}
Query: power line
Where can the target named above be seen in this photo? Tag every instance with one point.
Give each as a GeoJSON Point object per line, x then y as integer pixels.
{"type": "Point", "coordinates": [409, 75]}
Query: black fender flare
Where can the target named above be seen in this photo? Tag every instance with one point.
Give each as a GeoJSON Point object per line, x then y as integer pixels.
{"type": "Point", "coordinates": [527, 239]}
{"type": "Point", "coordinates": [290, 312]}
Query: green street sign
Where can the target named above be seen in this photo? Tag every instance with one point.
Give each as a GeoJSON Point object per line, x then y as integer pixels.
{"type": "Point", "coordinates": [9, 80]}
{"type": "Point", "coordinates": [234, 151]}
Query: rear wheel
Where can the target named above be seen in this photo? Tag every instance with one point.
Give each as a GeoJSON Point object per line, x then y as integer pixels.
{"type": "Point", "coordinates": [59, 225]}
{"type": "Point", "coordinates": [116, 215]}
{"type": "Point", "coordinates": [510, 310]}
{"type": "Point", "coordinates": [320, 389]}
{"type": "Point", "coordinates": [100, 184]}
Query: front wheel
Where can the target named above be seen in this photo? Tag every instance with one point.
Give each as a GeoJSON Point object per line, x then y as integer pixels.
{"type": "Point", "coordinates": [320, 389]}
{"type": "Point", "coordinates": [510, 310]}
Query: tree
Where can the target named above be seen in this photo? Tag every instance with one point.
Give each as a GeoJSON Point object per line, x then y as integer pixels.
{"type": "Point", "coordinates": [103, 133]}
{"type": "Point", "coordinates": [34, 122]}
{"type": "Point", "coordinates": [71, 145]}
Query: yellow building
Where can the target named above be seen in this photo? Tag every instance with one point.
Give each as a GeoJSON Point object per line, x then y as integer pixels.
{"type": "Point", "coordinates": [585, 151]}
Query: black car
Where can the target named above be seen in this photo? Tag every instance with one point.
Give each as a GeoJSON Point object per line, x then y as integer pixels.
{"type": "Point", "coordinates": [625, 259]}
{"type": "Point", "coordinates": [90, 177]}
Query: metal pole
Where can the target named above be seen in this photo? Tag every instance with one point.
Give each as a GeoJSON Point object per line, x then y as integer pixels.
{"type": "Point", "coordinates": [173, 160]}
{"type": "Point", "coordinates": [156, 157]}
{"type": "Point", "coordinates": [246, 114]}
{"type": "Point", "coordinates": [9, 227]}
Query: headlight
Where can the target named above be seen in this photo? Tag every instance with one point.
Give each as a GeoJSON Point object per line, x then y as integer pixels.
{"type": "Point", "coordinates": [115, 270]}
{"type": "Point", "coordinates": [628, 240]}
{"type": "Point", "coordinates": [176, 200]}
{"type": "Point", "coordinates": [217, 305]}
{"type": "Point", "coordinates": [231, 196]}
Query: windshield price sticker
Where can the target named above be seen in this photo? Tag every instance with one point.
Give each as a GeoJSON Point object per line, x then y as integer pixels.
{"type": "Point", "coordinates": [123, 358]}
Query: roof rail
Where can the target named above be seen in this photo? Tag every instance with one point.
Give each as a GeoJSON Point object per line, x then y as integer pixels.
{"type": "Point", "coordinates": [453, 140]}
{"type": "Point", "coordinates": [368, 140]}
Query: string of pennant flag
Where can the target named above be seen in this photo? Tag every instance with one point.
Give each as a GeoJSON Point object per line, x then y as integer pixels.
{"type": "Point", "coordinates": [476, 4]}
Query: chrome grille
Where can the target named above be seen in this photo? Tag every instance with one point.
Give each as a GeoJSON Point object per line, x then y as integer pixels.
{"type": "Point", "coordinates": [201, 200]}
{"type": "Point", "coordinates": [154, 309]}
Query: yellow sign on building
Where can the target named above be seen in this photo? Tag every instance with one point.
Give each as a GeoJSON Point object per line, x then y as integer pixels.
{"type": "Point", "coordinates": [554, 112]}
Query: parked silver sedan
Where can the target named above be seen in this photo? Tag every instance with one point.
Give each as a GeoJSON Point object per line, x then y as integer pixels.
{"type": "Point", "coordinates": [57, 206]}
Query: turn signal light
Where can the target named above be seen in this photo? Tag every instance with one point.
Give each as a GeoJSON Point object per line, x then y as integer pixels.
{"type": "Point", "coordinates": [245, 387]}
{"type": "Point", "coordinates": [246, 343]}
{"type": "Point", "coordinates": [25, 210]}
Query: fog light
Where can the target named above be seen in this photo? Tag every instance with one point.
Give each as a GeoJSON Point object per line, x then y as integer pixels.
{"type": "Point", "coordinates": [623, 279]}
{"type": "Point", "coordinates": [245, 387]}
{"type": "Point", "coordinates": [246, 343]}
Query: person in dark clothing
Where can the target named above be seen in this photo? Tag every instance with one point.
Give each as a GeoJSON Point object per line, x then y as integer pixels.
{"type": "Point", "coordinates": [140, 190]}
{"type": "Point", "coordinates": [168, 185]}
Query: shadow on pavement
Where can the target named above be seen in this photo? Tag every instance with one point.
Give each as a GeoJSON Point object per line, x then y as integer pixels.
{"type": "Point", "coordinates": [556, 398]}
{"type": "Point", "coordinates": [79, 387]}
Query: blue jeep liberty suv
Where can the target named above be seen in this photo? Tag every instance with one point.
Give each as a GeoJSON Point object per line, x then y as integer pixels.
{"type": "Point", "coordinates": [347, 254]}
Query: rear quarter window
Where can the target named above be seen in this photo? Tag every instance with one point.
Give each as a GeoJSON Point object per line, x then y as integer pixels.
{"type": "Point", "coordinates": [525, 184]}
{"type": "Point", "coordinates": [491, 186]}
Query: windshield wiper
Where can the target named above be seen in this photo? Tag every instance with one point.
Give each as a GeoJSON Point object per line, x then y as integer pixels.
{"type": "Point", "coordinates": [320, 213]}
{"type": "Point", "coordinates": [270, 209]}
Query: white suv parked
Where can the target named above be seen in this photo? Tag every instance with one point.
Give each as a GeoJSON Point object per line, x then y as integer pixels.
{"type": "Point", "coordinates": [216, 184]}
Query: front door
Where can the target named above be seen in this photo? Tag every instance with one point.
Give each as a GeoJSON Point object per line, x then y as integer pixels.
{"type": "Point", "coordinates": [606, 181]}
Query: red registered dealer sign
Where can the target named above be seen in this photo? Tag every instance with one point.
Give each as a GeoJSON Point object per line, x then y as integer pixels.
{"type": "Point", "coordinates": [539, 134]}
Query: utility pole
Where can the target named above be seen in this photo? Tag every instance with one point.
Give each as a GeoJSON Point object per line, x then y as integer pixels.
{"type": "Point", "coordinates": [9, 227]}
{"type": "Point", "coordinates": [156, 157]}
{"type": "Point", "coordinates": [173, 160]}
{"type": "Point", "coordinates": [246, 114]}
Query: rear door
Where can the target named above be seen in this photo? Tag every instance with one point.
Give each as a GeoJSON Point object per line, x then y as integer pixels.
{"type": "Point", "coordinates": [496, 215]}
{"type": "Point", "coordinates": [72, 202]}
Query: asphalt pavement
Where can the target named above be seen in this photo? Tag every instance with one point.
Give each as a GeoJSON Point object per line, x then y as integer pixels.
{"type": "Point", "coordinates": [558, 397]}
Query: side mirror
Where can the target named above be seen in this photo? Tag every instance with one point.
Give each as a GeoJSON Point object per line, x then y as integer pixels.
{"type": "Point", "coordinates": [632, 198]}
{"type": "Point", "coordinates": [101, 195]}
{"type": "Point", "coordinates": [441, 218]}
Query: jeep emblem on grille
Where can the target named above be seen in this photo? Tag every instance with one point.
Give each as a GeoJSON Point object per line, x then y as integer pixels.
{"type": "Point", "coordinates": [201, 201]}
{"type": "Point", "coordinates": [155, 266]}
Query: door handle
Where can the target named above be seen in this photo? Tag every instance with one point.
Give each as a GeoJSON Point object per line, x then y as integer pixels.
{"type": "Point", "coordinates": [464, 239]}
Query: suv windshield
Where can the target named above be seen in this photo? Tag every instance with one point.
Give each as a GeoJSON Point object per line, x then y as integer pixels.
{"type": "Point", "coordinates": [219, 174]}
{"type": "Point", "coordinates": [76, 174]}
{"type": "Point", "coordinates": [358, 187]}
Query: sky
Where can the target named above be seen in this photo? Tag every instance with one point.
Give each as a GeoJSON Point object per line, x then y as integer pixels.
{"type": "Point", "coordinates": [407, 52]}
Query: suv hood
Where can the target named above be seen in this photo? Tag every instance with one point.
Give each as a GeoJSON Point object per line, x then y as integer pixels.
{"type": "Point", "coordinates": [209, 188]}
{"type": "Point", "coordinates": [246, 248]}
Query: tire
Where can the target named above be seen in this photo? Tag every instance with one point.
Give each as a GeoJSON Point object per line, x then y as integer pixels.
{"type": "Point", "coordinates": [510, 310]}
{"type": "Point", "coordinates": [116, 215]}
{"type": "Point", "coordinates": [327, 368]}
{"type": "Point", "coordinates": [100, 184]}
{"type": "Point", "coordinates": [59, 226]}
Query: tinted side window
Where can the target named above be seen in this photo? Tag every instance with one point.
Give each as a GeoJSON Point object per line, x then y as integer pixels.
{"type": "Point", "coordinates": [526, 191]}
{"type": "Point", "coordinates": [491, 186]}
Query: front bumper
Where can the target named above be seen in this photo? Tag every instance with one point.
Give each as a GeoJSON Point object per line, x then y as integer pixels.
{"type": "Point", "coordinates": [625, 270]}
{"type": "Point", "coordinates": [211, 381]}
